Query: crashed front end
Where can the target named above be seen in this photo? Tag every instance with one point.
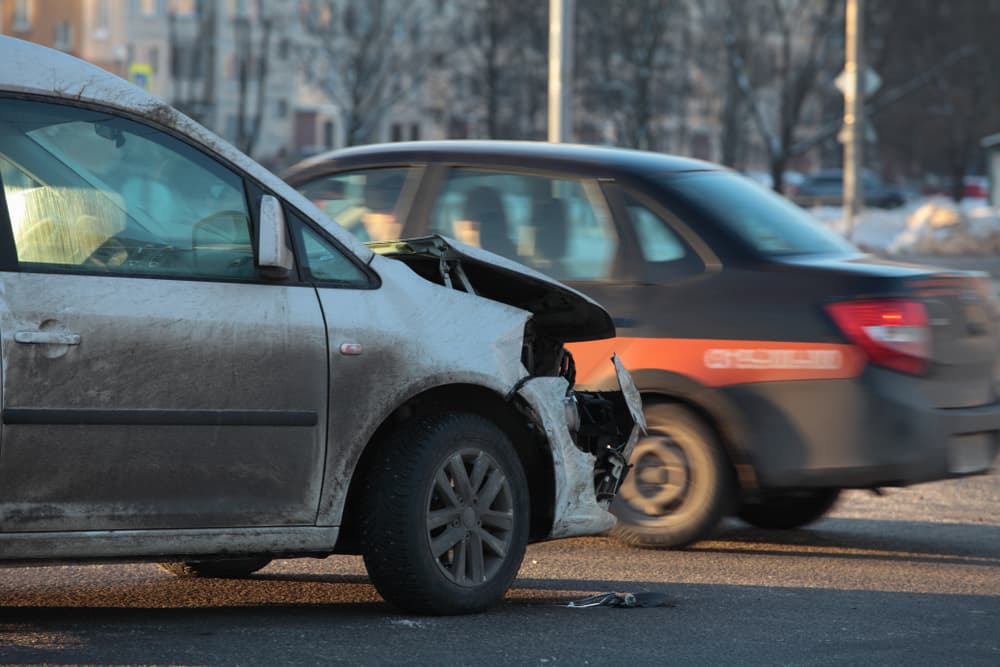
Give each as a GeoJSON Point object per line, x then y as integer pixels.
{"type": "Point", "coordinates": [590, 434]}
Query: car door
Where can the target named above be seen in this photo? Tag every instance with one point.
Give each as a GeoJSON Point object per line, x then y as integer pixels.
{"type": "Point", "coordinates": [152, 378]}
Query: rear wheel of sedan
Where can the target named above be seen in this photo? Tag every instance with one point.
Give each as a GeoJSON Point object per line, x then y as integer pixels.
{"type": "Point", "coordinates": [232, 568]}
{"type": "Point", "coordinates": [445, 521]}
{"type": "Point", "coordinates": [680, 485]}
{"type": "Point", "coordinates": [791, 509]}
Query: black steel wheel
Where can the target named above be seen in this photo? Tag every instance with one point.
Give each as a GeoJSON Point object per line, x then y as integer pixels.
{"type": "Point", "coordinates": [680, 486]}
{"type": "Point", "coordinates": [231, 568]}
{"type": "Point", "coordinates": [446, 515]}
{"type": "Point", "coordinates": [789, 509]}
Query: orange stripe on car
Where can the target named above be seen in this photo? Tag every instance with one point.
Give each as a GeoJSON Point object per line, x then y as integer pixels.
{"type": "Point", "coordinates": [717, 363]}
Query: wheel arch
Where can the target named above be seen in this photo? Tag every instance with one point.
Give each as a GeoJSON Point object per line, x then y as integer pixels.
{"type": "Point", "coordinates": [535, 458]}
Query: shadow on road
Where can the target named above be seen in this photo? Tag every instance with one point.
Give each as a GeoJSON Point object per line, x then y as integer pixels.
{"type": "Point", "coordinates": [911, 541]}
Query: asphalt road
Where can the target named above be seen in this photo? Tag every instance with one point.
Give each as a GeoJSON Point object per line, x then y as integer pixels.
{"type": "Point", "coordinates": [909, 578]}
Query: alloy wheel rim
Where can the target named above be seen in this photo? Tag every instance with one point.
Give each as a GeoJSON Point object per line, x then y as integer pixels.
{"type": "Point", "coordinates": [660, 478]}
{"type": "Point", "coordinates": [470, 517]}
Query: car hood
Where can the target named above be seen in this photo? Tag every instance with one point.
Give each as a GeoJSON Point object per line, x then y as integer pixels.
{"type": "Point", "coordinates": [560, 311]}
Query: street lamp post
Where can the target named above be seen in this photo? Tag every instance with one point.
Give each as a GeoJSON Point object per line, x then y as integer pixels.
{"type": "Point", "coordinates": [560, 67]}
{"type": "Point", "coordinates": [853, 133]}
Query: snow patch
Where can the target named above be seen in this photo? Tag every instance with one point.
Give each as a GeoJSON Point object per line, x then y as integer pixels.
{"type": "Point", "coordinates": [931, 226]}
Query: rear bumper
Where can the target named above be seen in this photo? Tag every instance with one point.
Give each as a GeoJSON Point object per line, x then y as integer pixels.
{"type": "Point", "coordinates": [874, 430]}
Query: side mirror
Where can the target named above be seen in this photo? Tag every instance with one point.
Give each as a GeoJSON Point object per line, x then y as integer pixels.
{"type": "Point", "coordinates": [274, 257]}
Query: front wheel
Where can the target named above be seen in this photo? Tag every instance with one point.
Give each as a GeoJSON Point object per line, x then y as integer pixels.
{"type": "Point", "coordinates": [789, 509]}
{"type": "Point", "coordinates": [232, 568]}
{"type": "Point", "coordinates": [680, 485]}
{"type": "Point", "coordinates": [445, 519]}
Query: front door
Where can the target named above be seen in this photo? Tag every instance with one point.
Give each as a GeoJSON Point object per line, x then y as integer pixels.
{"type": "Point", "coordinates": [151, 377]}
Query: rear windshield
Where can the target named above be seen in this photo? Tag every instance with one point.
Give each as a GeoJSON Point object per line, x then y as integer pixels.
{"type": "Point", "coordinates": [767, 221]}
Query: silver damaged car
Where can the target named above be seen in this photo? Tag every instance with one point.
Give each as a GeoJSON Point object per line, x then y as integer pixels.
{"type": "Point", "coordinates": [200, 369]}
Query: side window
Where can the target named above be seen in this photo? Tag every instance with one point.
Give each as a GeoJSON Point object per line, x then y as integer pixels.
{"type": "Point", "coordinates": [559, 226]}
{"type": "Point", "coordinates": [363, 202]}
{"type": "Point", "coordinates": [94, 192]}
{"type": "Point", "coordinates": [324, 262]}
{"type": "Point", "coordinates": [666, 254]}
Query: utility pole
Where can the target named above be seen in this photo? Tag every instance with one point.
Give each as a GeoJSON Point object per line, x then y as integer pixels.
{"type": "Point", "coordinates": [560, 67]}
{"type": "Point", "coordinates": [854, 130]}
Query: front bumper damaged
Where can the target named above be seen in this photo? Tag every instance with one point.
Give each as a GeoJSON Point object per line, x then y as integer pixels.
{"type": "Point", "coordinates": [591, 435]}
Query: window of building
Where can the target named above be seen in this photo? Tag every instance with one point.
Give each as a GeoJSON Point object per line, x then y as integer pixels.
{"type": "Point", "coordinates": [102, 20]}
{"type": "Point", "coordinates": [180, 7]}
{"type": "Point", "coordinates": [23, 13]}
{"type": "Point", "coordinates": [239, 8]}
{"type": "Point", "coordinates": [62, 37]}
{"type": "Point", "coordinates": [415, 132]}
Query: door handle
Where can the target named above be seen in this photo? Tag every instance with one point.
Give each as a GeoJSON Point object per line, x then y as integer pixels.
{"type": "Point", "coordinates": [47, 338]}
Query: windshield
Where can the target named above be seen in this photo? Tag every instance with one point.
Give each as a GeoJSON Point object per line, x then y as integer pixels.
{"type": "Point", "coordinates": [767, 221]}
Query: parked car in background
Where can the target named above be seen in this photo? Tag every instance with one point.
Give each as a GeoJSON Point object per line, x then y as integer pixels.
{"type": "Point", "coordinates": [826, 188]}
{"type": "Point", "coordinates": [200, 369]}
{"type": "Point", "coordinates": [777, 363]}
{"type": "Point", "coordinates": [791, 179]}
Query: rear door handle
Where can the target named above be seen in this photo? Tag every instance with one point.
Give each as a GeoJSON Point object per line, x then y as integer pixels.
{"type": "Point", "coordinates": [47, 338]}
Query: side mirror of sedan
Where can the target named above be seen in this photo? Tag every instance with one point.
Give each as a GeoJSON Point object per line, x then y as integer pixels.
{"type": "Point", "coordinates": [274, 257]}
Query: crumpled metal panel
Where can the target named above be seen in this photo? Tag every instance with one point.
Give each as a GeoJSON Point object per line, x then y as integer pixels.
{"type": "Point", "coordinates": [577, 511]}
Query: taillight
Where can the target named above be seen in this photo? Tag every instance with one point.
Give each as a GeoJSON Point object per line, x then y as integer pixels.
{"type": "Point", "coordinates": [893, 332]}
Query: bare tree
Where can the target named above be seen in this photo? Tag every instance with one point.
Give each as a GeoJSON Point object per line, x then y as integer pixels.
{"type": "Point", "coordinates": [366, 56]}
{"type": "Point", "coordinates": [252, 69]}
{"type": "Point", "coordinates": [800, 49]}
{"type": "Point", "coordinates": [629, 65]}
{"type": "Point", "coordinates": [942, 57]}
{"type": "Point", "coordinates": [499, 54]}
{"type": "Point", "coordinates": [192, 43]}
{"type": "Point", "coordinates": [194, 53]}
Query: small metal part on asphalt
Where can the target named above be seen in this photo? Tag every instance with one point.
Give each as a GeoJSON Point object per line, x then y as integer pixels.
{"type": "Point", "coordinates": [628, 600]}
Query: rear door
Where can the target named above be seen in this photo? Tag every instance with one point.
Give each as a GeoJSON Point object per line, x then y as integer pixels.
{"type": "Point", "coordinates": [151, 378]}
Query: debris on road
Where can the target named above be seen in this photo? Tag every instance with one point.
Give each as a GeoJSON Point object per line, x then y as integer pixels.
{"type": "Point", "coordinates": [643, 599]}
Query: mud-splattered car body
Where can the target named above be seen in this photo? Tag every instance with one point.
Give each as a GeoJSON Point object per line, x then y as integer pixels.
{"type": "Point", "coordinates": [234, 391]}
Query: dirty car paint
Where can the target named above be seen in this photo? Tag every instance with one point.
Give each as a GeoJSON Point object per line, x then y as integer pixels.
{"type": "Point", "coordinates": [414, 336]}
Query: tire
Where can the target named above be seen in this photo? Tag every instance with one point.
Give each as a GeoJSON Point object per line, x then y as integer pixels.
{"type": "Point", "coordinates": [790, 509]}
{"type": "Point", "coordinates": [429, 547]}
{"type": "Point", "coordinates": [231, 568]}
{"type": "Point", "coordinates": [680, 486]}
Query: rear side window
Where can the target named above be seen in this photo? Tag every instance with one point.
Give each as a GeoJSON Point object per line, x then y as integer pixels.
{"type": "Point", "coordinates": [363, 202]}
{"type": "Point", "coordinates": [667, 255]}
{"type": "Point", "coordinates": [559, 226]}
{"type": "Point", "coordinates": [97, 193]}
{"type": "Point", "coordinates": [657, 242]}
{"type": "Point", "coordinates": [767, 221]}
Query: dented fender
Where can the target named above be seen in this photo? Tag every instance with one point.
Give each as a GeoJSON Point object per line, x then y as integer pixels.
{"type": "Point", "coordinates": [577, 509]}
